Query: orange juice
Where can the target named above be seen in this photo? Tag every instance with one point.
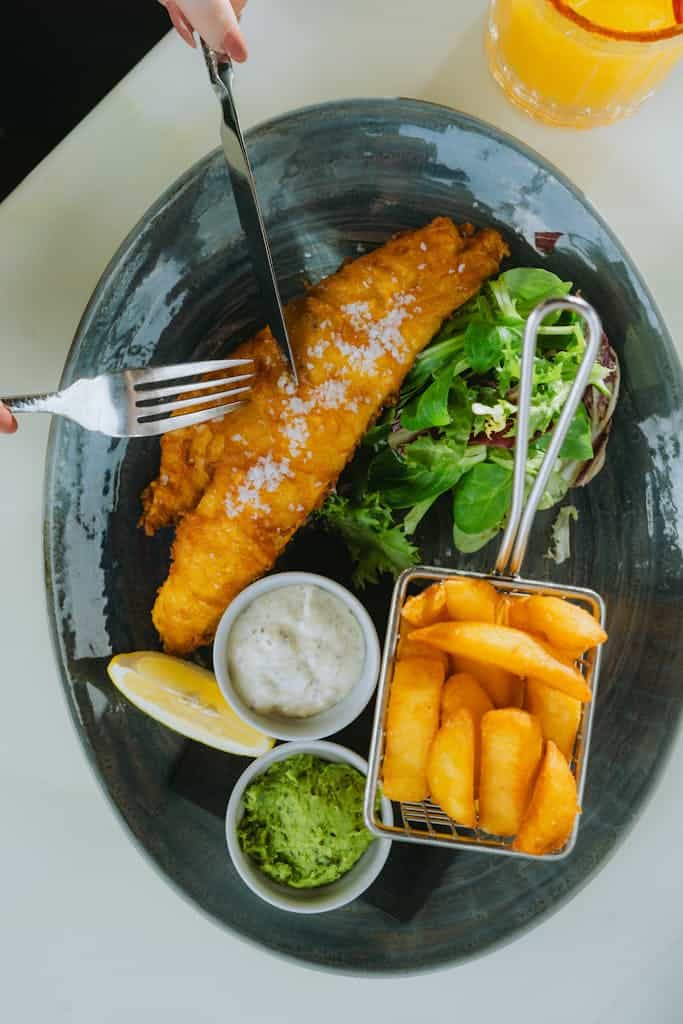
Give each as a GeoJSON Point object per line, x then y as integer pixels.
{"type": "Point", "coordinates": [626, 15]}
{"type": "Point", "coordinates": [584, 62]}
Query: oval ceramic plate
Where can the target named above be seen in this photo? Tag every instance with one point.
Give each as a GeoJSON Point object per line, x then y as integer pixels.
{"type": "Point", "coordinates": [335, 180]}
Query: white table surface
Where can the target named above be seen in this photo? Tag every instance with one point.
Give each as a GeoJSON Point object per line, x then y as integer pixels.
{"type": "Point", "coordinates": [88, 930]}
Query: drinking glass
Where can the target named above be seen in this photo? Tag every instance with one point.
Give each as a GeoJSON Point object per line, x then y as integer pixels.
{"type": "Point", "coordinates": [584, 63]}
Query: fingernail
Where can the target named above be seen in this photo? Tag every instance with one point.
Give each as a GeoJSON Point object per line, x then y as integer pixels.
{"type": "Point", "coordinates": [233, 45]}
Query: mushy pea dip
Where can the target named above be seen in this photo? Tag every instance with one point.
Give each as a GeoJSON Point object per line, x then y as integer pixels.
{"type": "Point", "coordinates": [303, 821]}
{"type": "Point", "coordinates": [296, 650]}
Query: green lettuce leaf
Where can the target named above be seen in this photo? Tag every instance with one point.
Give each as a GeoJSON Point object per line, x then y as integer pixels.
{"type": "Point", "coordinates": [483, 345]}
{"type": "Point", "coordinates": [425, 469]}
{"type": "Point", "coordinates": [555, 490]}
{"type": "Point", "coordinates": [527, 286]}
{"type": "Point", "coordinates": [578, 444]}
{"type": "Point", "coordinates": [416, 514]}
{"type": "Point", "coordinates": [376, 544]}
{"type": "Point", "coordinates": [377, 436]}
{"type": "Point", "coordinates": [460, 399]}
{"type": "Point", "coordinates": [430, 408]}
{"type": "Point", "coordinates": [482, 498]}
{"type": "Point", "coordinates": [560, 542]}
{"type": "Point", "coordinates": [435, 357]}
{"type": "Point", "coordinates": [468, 543]}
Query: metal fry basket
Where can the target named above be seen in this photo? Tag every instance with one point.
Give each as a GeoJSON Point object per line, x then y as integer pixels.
{"type": "Point", "coordinates": [424, 822]}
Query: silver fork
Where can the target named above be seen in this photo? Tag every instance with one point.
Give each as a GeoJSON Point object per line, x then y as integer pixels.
{"type": "Point", "coordinates": [130, 403]}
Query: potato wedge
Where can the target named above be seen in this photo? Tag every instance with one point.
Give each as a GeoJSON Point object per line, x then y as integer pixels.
{"type": "Point", "coordinates": [471, 600]}
{"type": "Point", "coordinates": [507, 648]}
{"type": "Point", "coordinates": [450, 768]}
{"type": "Point", "coordinates": [409, 648]}
{"type": "Point", "coordinates": [564, 625]}
{"type": "Point", "coordinates": [511, 750]}
{"type": "Point", "coordinates": [412, 722]}
{"type": "Point", "coordinates": [549, 818]}
{"type": "Point", "coordinates": [558, 714]}
{"type": "Point", "coordinates": [504, 688]}
{"type": "Point", "coordinates": [517, 614]}
{"type": "Point", "coordinates": [427, 607]}
{"type": "Point", "coordinates": [463, 691]}
{"type": "Point", "coordinates": [503, 609]}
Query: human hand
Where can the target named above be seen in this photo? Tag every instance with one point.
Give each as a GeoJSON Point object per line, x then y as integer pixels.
{"type": "Point", "coordinates": [8, 424]}
{"type": "Point", "coordinates": [216, 21]}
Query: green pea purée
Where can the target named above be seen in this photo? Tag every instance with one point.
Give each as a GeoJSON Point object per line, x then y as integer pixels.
{"type": "Point", "coordinates": [303, 821]}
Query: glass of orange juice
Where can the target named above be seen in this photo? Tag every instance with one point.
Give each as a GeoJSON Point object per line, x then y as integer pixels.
{"type": "Point", "coordinates": [581, 63]}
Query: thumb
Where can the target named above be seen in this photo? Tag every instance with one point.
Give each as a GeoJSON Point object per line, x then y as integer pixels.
{"type": "Point", "coordinates": [217, 23]}
{"type": "Point", "coordinates": [8, 424]}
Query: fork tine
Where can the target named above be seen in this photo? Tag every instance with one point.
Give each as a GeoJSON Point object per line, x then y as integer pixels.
{"type": "Point", "coordinates": [178, 390]}
{"type": "Point", "coordinates": [148, 413]}
{"type": "Point", "coordinates": [155, 374]}
{"type": "Point", "coordinates": [190, 419]}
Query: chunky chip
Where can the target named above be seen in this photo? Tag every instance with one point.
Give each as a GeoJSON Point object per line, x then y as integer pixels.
{"type": "Point", "coordinates": [450, 768]}
{"type": "Point", "coordinates": [427, 607]}
{"type": "Point", "coordinates": [471, 600]}
{"type": "Point", "coordinates": [409, 648]}
{"type": "Point", "coordinates": [558, 714]}
{"type": "Point", "coordinates": [563, 624]}
{"type": "Point", "coordinates": [504, 688]}
{"type": "Point", "coordinates": [511, 749]}
{"type": "Point", "coordinates": [412, 722]}
{"type": "Point", "coordinates": [508, 648]}
{"type": "Point", "coordinates": [550, 816]}
{"type": "Point", "coordinates": [503, 609]}
{"type": "Point", "coordinates": [463, 691]}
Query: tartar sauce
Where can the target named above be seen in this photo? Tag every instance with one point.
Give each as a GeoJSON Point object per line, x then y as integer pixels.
{"type": "Point", "coordinates": [295, 650]}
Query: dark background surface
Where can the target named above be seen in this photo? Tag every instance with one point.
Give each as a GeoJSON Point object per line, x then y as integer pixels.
{"type": "Point", "coordinates": [59, 58]}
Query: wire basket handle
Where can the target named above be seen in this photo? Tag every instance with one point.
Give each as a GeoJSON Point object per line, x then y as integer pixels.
{"type": "Point", "coordinates": [520, 519]}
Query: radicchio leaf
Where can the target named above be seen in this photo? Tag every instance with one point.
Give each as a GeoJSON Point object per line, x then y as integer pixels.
{"type": "Point", "coordinates": [600, 409]}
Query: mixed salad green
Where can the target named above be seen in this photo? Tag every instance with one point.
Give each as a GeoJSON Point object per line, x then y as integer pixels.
{"type": "Point", "coordinates": [452, 429]}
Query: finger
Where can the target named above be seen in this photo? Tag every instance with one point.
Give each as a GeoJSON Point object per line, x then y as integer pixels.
{"type": "Point", "coordinates": [8, 424]}
{"type": "Point", "coordinates": [217, 24]}
{"type": "Point", "coordinates": [180, 22]}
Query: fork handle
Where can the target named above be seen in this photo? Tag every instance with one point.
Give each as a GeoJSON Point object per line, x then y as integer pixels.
{"type": "Point", "coordinates": [49, 402]}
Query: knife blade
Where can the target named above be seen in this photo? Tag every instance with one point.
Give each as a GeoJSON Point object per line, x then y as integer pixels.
{"type": "Point", "coordinates": [246, 200]}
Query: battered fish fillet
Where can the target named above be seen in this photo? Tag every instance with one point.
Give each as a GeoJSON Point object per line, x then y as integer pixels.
{"type": "Point", "coordinates": [244, 485]}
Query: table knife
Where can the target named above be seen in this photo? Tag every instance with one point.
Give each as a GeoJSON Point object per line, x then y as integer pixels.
{"type": "Point", "coordinates": [246, 199]}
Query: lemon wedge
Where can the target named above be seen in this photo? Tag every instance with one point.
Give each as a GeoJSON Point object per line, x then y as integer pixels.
{"type": "Point", "coordinates": [186, 698]}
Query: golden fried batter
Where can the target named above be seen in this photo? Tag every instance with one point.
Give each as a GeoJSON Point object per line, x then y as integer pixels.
{"type": "Point", "coordinates": [244, 485]}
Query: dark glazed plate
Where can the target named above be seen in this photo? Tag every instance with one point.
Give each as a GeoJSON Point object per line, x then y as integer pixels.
{"type": "Point", "coordinates": [333, 180]}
